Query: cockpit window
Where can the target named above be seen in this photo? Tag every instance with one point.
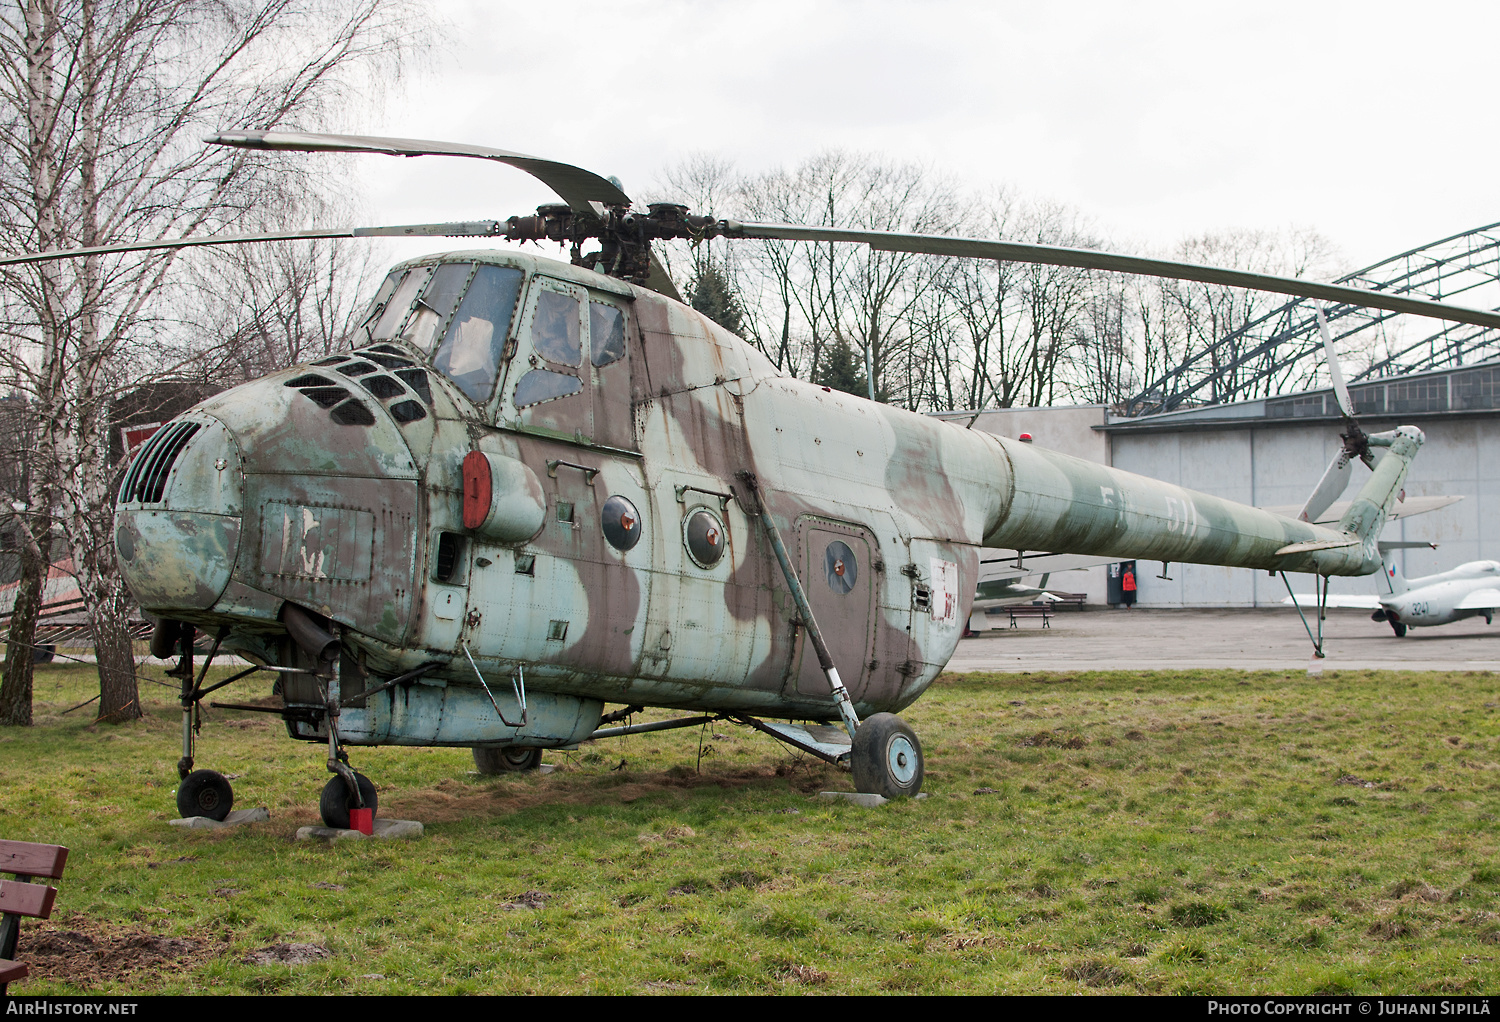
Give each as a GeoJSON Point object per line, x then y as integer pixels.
{"type": "Point", "coordinates": [365, 333]}
{"type": "Point", "coordinates": [436, 304]}
{"type": "Point", "coordinates": [607, 333]}
{"type": "Point", "coordinates": [544, 385]}
{"type": "Point", "coordinates": [470, 351]}
{"type": "Point", "coordinates": [394, 313]}
{"type": "Point", "coordinates": [556, 328]}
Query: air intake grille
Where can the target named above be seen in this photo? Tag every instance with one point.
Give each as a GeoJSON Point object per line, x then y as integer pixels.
{"type": "Point", "coordinates": [147, 479]}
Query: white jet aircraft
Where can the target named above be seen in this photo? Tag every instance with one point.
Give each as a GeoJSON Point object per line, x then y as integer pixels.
{"type": "Point", "coordinates": [1469, 590]}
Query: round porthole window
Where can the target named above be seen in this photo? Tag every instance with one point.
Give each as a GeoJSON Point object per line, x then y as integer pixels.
{"type": "Point", "coordinates": [842, 568]}
{"type": "Point", "coordinates": [704, 535]}
{"type": "Point", "coordinates": [622, 523]}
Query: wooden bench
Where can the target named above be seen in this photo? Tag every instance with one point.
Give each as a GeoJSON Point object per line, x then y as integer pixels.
{"type": "Point", "coordinates": [1031, 610]}
{"type": "Point", "coordinates": [20, 897]}
{"type": "Point", "coordinates": [1076, 600]}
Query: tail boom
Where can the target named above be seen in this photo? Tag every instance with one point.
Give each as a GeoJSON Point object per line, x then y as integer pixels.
{"type": "Point", "coordinates": [1053, 502]}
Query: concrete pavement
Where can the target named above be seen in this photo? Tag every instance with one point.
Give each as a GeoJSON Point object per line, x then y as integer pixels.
{"type": "Point", "coordinates": [1098, 639]}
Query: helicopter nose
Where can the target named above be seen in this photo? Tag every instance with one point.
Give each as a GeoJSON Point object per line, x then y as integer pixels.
{"type": "Point", "coordinates": [178, 515]}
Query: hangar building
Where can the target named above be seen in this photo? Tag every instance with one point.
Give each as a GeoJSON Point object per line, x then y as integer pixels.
{"type": "Point", "coordinates": [1222, 422]}
{"type": "Point", "coordinates": [1272, 451]}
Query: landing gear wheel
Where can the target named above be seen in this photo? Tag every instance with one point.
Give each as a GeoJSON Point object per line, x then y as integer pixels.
{"type": "Point", "coordinates": [334, 805]}
{"type": "Point", "coordinates": [506, 760]}
{"type": "Point", "coordinates": [886, 757]}
{"type": "Point", "coordinates": [205, 793]}
{"type": "Point", "coordinates": [1399, 629]}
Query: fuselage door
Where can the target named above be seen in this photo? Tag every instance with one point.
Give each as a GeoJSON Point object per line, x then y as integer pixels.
{"type": "Point", "coordinates": [610, 347]}
{"type": "Point", "coordinates": [838, 574]}
{"type": "Point", "coordinates": [549, 382]}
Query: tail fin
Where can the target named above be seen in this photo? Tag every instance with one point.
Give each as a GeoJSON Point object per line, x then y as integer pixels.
{"type": "Point", "coordinates": [1395, 582]}
{"type": "Point", "coordinates": [1368, 513]}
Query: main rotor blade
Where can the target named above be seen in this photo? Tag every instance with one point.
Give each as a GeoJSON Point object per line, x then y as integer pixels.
{"type": "Point", "coordinates": [576, 186]}
{"type": "Point", "coordinates": [470, 229]}
{"type": "Point", "coordinates": [1092, 259]}
{"type": "Point", "coordinates": [660, 280]}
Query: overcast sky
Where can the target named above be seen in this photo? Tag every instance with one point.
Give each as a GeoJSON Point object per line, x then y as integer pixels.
{"type": "Point", "coordinates": [1371, 122]}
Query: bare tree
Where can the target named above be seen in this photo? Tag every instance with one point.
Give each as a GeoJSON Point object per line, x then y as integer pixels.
{"type": "Point", "coordinates": [1195, 317]}
{"type": "Point", "coordinates": [27, 536]}
{"type": "Point", "coordinates": [254, 309]}
{"type": "Point", "coordinates": [1102, 355]}
{"type": "Point", "coordinates": [941, 334]}
{"type": "Point", "coordinates": [804, 297]}
{"type": "Point", "coordinates": [101, 109]}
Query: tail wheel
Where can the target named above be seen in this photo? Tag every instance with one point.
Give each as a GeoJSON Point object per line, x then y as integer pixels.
{"type": "Point", "coordinates": [205, 793]}
{"type": "Point", "coordinates": [507, 759]}
{"type": "Point", "coordinates": [886, 757]}
{"type": "Point", "coordinates": [334, 804]}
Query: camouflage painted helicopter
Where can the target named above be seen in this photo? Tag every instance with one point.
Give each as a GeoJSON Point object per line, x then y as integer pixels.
{"type": "Point", "coordinates": [532, 488]}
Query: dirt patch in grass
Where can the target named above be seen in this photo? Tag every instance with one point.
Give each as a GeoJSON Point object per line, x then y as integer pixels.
{"type": "Point", "coordinates": [286, 954]}
{"type": "Point", "coordinates": [527, 900]}
{"type": "Point", "coordinates": [1096, 973]}
{"type": "Point", "coordinates": [1416, 890]}
{"type": "Point", "coordinates": [1050, 739]}
{"type": "Point", "coordinates": [86, 952]}
{"type": "Point", "coordinates": [451, 800]}
{"type": "Point", "coordinates": [1392, 929]}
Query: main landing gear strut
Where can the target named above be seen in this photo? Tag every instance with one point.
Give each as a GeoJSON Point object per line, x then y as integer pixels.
{"type": "Point", "coordinates": [885, 756]}
{"type": "Point", "coordinates": [346, 791]}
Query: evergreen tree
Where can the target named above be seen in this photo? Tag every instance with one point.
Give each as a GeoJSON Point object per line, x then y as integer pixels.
{"type": "Point", "coordinates": [843, 369]}
{"type": "Point", "coordinates": [711, 293]}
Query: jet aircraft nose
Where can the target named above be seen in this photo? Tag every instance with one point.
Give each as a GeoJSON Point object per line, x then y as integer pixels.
{"type": "Point", "coordinates": [178, 516]}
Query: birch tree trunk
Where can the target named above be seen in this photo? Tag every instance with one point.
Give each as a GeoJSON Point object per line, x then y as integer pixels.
{"type": "Point", "coordinates": [102, 108]}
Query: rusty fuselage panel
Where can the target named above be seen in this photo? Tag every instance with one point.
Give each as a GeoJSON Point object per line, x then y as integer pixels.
{"type": "Point", "coordinates": [625, 423]}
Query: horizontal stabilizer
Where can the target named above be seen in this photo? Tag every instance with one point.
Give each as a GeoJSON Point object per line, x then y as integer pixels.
{"type": "Point", "coordinates": [1401, 509]}
{"type": "Point", "coordinates": [1480, 599]}
{"type": "Point", "coordinates": [1323, 544]}
{"type": "Point", "coordinates": [1415, 544]}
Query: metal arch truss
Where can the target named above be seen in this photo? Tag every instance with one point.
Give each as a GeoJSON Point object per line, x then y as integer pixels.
{"type": "Point", "coordinates": [1283, 351]}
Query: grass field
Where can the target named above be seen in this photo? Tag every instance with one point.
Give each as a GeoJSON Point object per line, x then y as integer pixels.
{"type": "Point", "coordinates": [1181, 832]}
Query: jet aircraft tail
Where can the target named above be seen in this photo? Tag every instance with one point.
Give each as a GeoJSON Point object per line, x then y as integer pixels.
{"type": "Point", "coordinates": [1395, 581]}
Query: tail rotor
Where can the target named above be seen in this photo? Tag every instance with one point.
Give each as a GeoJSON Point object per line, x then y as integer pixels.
{"type": "Point", "coordinates": [1356, 442]}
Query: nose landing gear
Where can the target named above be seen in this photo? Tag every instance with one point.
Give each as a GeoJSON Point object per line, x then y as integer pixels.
{"type": "Point", "coordinates": [335, 803]}
{"type": "Point", "coordinates": [199, 792]}
{"type": "Point", "coordinates": [346, 790]}
{"type": "Point", "coordinates": [205, 793]}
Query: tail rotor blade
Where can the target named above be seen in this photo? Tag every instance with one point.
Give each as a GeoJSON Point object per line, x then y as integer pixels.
{"type": "Point", "coordinates": [1329, 488]}
{"type": "Point", "coordinates": [1340, 392]}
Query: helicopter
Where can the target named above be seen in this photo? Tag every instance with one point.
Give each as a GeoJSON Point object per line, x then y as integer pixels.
{"type": "Point", "coordinates": [531, 488]}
